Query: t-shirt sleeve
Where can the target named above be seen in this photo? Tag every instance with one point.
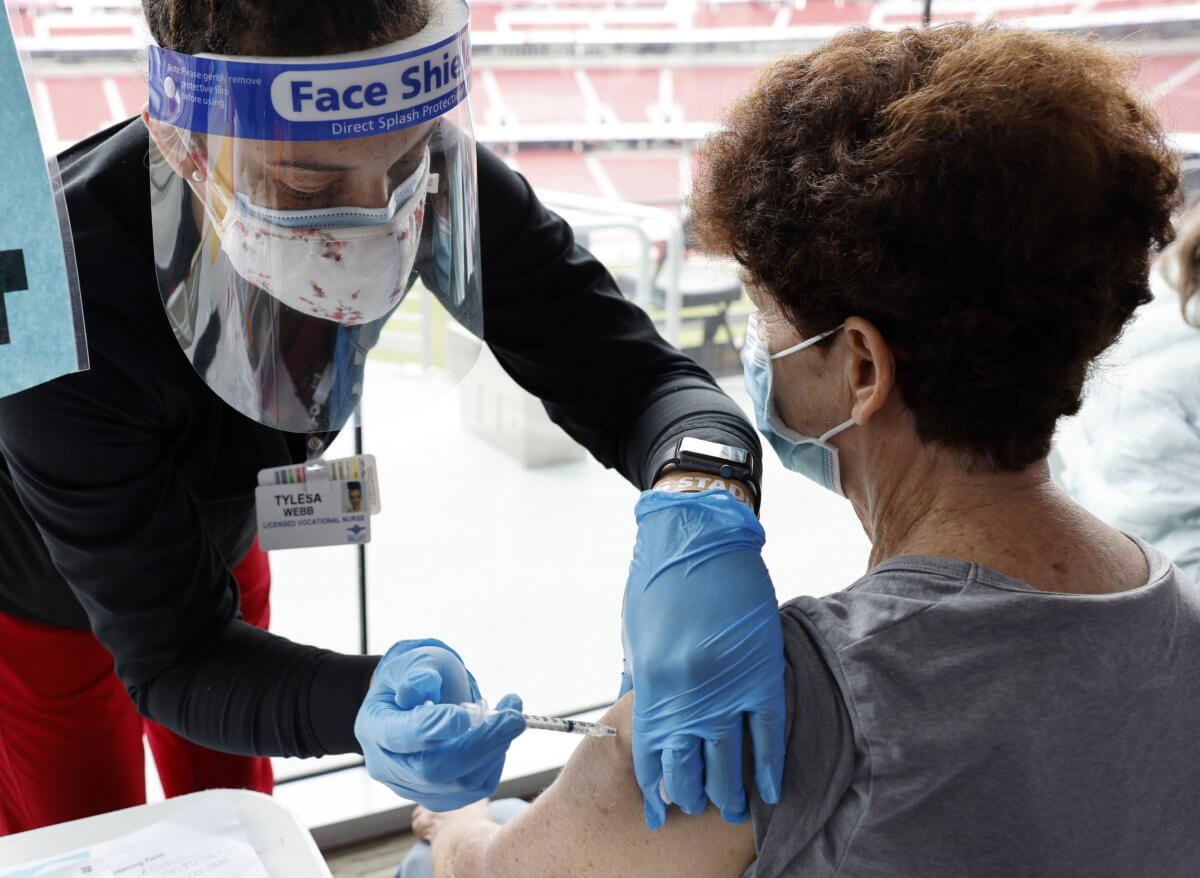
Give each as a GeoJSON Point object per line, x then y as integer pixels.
{"type": "Point", "coordinates": [819, 766]}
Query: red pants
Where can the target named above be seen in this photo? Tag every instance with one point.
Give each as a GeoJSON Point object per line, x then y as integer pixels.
{"type": "Point", "coordinates": [71, 739]}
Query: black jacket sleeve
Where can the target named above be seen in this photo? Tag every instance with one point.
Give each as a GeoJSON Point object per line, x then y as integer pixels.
{"type": "Point", "coordinates": [561, 328]}
{"type": "Point", "coordinates": [100, 481]}
{"type": "Point", "coordinates": [110, 466]}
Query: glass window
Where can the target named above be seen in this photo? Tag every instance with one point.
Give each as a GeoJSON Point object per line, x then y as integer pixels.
{"type": "Point", "coordinates": [499, 534]}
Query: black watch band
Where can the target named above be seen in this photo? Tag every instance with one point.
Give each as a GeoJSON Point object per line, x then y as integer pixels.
{"type": "Point", "coordinates": [694, 454]}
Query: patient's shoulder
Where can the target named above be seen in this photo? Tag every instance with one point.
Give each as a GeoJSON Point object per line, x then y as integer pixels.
{"type": "Point", "coordinates": [888, 594]}
{"type": "Point", "coordinates": [606, 764]}
{"type": "Point", "coordinates": [590, 823]}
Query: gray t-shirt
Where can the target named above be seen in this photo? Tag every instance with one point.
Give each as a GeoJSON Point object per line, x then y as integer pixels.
{"type": "Point", "coordinates": [947, 720]}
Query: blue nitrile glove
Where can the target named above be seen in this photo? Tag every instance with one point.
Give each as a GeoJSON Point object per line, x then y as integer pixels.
{"type": "Point", "coordinates": [703, 654]}
{"type": "Point", "coordinates": [428, 752]}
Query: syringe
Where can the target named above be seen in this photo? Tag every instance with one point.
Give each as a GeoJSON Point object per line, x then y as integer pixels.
{"type": "Point", "coordinates": [478, 711]}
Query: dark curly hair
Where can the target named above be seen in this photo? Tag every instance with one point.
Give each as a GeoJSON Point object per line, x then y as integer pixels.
{"type": "Point", "coordinates": [988, 197]}
{"type": "Point", "coordinates": [281, 27]}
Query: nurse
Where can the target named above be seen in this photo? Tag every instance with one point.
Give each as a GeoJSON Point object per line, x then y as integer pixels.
{"type": "Point", "coordinates": [304, 171]}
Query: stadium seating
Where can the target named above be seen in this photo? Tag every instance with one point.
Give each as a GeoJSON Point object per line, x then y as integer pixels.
{"type": "Point", "coordinates": [628, 94]}
{"type": "Point", "coordinates": [101, 19]}
{"type": "Point", "coordinates": [561, 169]}
{"type": "Point", "coordinates": [614, 124]}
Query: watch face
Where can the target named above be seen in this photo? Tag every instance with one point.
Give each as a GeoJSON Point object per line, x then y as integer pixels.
{"type": "Point", "coordinates": [727, 454]}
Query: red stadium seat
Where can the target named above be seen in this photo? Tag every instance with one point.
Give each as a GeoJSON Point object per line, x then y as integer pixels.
{"type": "Point", "coordinates": [94, 30]}
{"type": "Point", "coordinates": [1032, 11]}
{"type": "Point", "coordinates": [79, 105]}
{"type": "Point", "coordinates": [133, 93]}
{"type": "Point", "coordinates": [1111, 5]}
{"type": "Point", "coordinates": [483, 16]}
{"type": "Point", "coordinates": [706, 92]}
{"type": "Point", "coordinates": [649, 178]}
{"type": "Point", "coordinates": [639, 25]}
{"type": "Point", "coordinates": [1180, 106]}
{"type": "Point", "coordinates": [818, 12]}
{"type": "Point", "coordinates": [542, 97]}
{"type": "Point", "coordinates": [559, 169]}
{"type": "Point", "coordinates": [20, 21]}
{"type": "Point", "coordinates": [735, 15]}
{"type": "Point", "coordinates": [548, 25]}
{"type": "Point", "coordinates": [629, 92]}
{"type": "Point", "coordinates": [1154, 70]}
{"type": "Point", "coordinates": [481, 103]}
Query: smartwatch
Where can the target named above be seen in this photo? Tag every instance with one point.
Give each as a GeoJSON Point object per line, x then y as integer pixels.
{"type": "Point", "coordinates": [724, 461]}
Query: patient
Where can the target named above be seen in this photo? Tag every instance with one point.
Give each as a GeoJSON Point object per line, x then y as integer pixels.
{"type": "Point", "coordinates": [941, 229]}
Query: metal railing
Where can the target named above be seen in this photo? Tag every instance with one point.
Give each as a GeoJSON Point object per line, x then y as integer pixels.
{"type": "Point", "coordinates": [649, 225]}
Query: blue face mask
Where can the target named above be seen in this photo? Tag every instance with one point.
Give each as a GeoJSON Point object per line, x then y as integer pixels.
{"type": "Point", "coordinates": [810, 456]}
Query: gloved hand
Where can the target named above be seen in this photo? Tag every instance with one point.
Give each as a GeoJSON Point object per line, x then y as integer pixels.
{"type": "Point", "coordinates": [703, 654]}
{"type": "Point", "coordinates": [428, 752]}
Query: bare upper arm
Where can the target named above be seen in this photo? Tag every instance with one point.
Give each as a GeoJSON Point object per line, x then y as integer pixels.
{"type": "Point", "coordinates": [590, 823]}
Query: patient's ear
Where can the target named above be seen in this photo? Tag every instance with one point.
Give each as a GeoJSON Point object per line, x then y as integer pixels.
{"type": "Point", "coordinates": [183, 151]}
{"type": "Point", "coordinates": [870, 368]}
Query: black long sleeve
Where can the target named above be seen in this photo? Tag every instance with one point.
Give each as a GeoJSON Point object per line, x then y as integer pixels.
{"type": "Point", "coordinates": [130, 491]}
{"type": "Point", "coordinates": [109, 491]}
{"type": "Point", "coordinates": [126, 492]}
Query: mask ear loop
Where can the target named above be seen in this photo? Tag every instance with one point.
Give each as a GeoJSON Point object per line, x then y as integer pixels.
{"type": "Point", "coordinates": [213, 191]}
{"type": "Point", "coordinates": [807, 343]}
{"type": "Point", "coordinates": [416, 184]}
{"type": "Point", "coordinates": [824, 438]}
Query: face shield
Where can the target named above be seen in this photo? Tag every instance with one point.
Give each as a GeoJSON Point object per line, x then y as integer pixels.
{"type": "Point", "coordinates": [313, 216]}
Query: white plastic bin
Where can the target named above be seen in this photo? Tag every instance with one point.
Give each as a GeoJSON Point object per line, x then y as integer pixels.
{"type": "Point", "coordinates": [282, 843]}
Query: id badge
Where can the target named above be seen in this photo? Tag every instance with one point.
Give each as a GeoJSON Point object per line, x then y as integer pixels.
{"type": "Point", "coordinates": [324, 503]}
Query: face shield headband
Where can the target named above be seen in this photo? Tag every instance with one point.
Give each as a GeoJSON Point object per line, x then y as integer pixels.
{"type": "Point", "coordinates": [324, 98]}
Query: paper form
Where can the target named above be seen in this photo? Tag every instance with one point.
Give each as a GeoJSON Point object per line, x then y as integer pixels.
{"type": "Point", "coordinates": [204, 841]}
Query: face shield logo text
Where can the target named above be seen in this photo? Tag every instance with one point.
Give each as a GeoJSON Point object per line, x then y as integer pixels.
{"type": "Point", "coordinates": [430, 78]}
{"type": "Point", "coordinates": [329, 100]}
{"type": "Point", "coordinates": [343, 95]}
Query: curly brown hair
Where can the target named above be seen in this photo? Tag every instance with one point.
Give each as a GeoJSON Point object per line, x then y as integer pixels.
{"type": "Point", "coordinates": [988, 197]}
